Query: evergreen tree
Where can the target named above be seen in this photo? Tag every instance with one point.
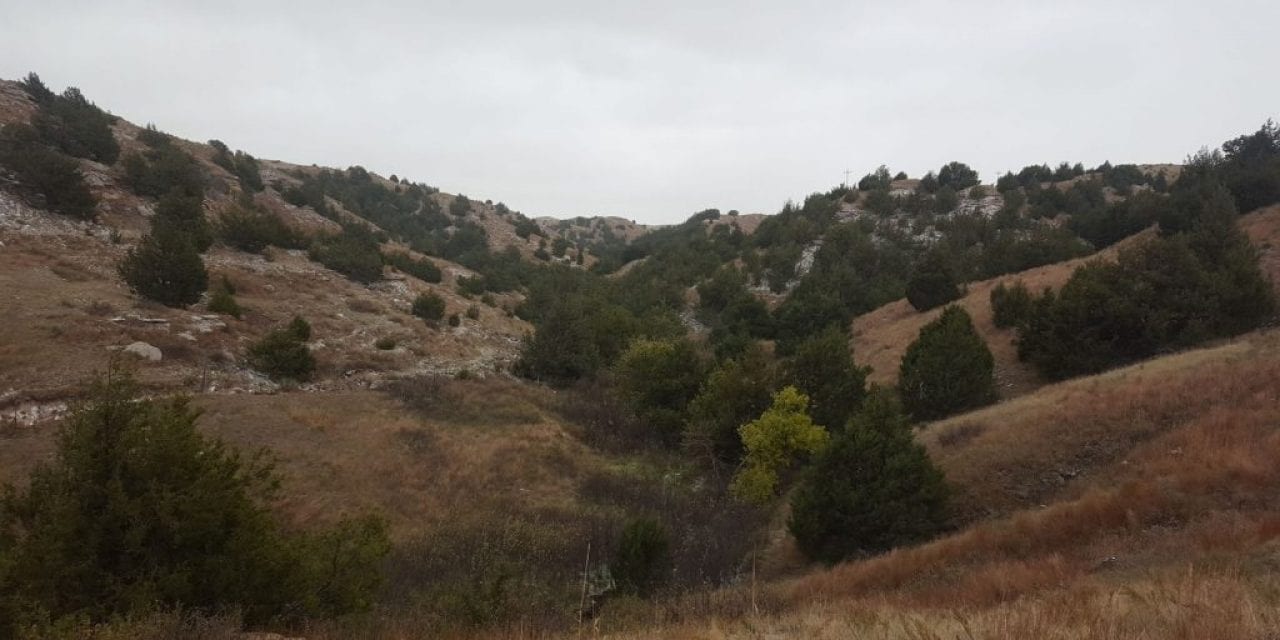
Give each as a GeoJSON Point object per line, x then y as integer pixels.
{"type": "Point", "coordinates": [822, 368]}
{"type": "Point", "coordinates": [1010, 304]}
{"type": "Point", "coordinates": [165, 267]}
{"type": "Point", "coordinates": [873, 488]}
{"type": "Point", "coordinates": [933, 283]}
{"type": "Point", "coordinates": [947, 369]}
{"type": "Point", "coordinates": [179, 213]}
{"type": "Point", "coordinates": [658, 379]}
{"type": "Point", "coordinates": [642, 561]}
{"type": "Point", "coordinates": [139, 512]}
{"type": "Point", "coordinates": [43, 172]}
{"type": "Point", "coordinates": [283, 354]}
{"type": "Point", "coordinates": [736, 392]}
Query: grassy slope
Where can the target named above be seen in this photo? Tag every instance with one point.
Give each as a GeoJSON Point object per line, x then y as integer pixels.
{"type": "Point", "coordinates": [1165, 527]}
{"type": "Point", "coordinates": [882, 336]}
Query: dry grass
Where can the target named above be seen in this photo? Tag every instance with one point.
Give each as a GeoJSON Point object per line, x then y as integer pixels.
{"type": "Point", "coordinates": [882, 336]}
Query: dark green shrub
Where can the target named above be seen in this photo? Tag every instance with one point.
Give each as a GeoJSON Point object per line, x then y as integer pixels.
{"type": "Point", "coordinates": [455, 320]}
{"type": "Point", "coordinates": [162, 170]}
{"type": "Point", "coordinates": [77, 127]}
{"type": "Point", "coordinates": [872, 489]}
{"type": "Point", "coordinates": [735, 393]}
{"type": "Point", "coordinates": [424, 270]}
{"type": "Point", "coordinates": [182, 214]}
{"type": "Point", "coordinates": [933, 283]}
{"type": "Point", "coordinates": [947, 369]}
{"type": "Point", "coordinates": [1171, 292]}
{"type": "Point", "coordinates": [1010, 305]}
{"type": "Point", "coordinates": [138, 512]}
{"type": "Point", "coordinates": [822, 368]}
{"type": "Point", "coordinates": [354, 253]}
{"type": "Point", "coordinates": [282, 354]}
{"type": "Point", "coordinates": [252, 231]}
{"type": "Point", "coordinates": [429, 306]}
{"type": "Point", "coordinates": [165, 267]}
{"type": "Point", "coordinates": [642, 561]}
{"type": "Point", "coordinates": [957, 175]}
{"type": "Point", "coordinates": [385, 343]}
{"type": "Point", "coordinates": [657, 379]}
{"type": "Point", "coordinates": [460, 206]}
{"type": "Point", "coordinates": [300, 328]}
{"type": "Point", "coordinates": [223, 300]}
{"type": "Point", "coordinates": [54, 179]}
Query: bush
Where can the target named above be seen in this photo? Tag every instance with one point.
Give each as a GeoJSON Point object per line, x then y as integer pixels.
{"type": "Point", "coordinates": [773, 443]}
{"type": "Point", "coordinates": [161, 170]}
{"type": "Point", "coordinates": [353, 253]}
{"type": "Point", "coordinates": [657, 379]}
{"type": "Point", "coordinates": [933, 283]}
{"type": "Point", "coordinates": [184, 215]}
{"type": "Point", "coordinates": [283, 354]}
{"type": "Point", "coordinates": [957, 175]}
{"type": "Point", "coordinates": [823, 369]}
{"type": "Point", "coordinates": [1170, 292]}
{"type": "Point", "coordinates": [77, 127]}
{"type": "Point", "coordinates": [642, 562]}
{"type": "Point", "coordinates": [473, 312]}
{"type": "Point", "coordinates": [455, 320]}
{"type": "Point", "coordinates": [460, 206]}
{"type": "Point", "coordinates": [252, 231]}
{"type": "Point", "coordinates": [54, 178]}
{"type": "Point", "coordinates": [1010, 305]}
{"type": "Point", "coordinates": [424, 270]}
{"type": "Point", "coordinates": [138, 512]}
{"type": "Point", "coordinates": [165, 267]}
{"type": "Point", "coordinates": [872, 489]}
{"type": "Point", "coordinates": [947, 369]}
{"type": "Point", "coordinates": [385, 343]}
{"type": "Point", "coordinates": [429, 306]}
{"type": "Point", "coordinates": [223, 301]}
{"type": "Point", "coordinates": [735, 393]}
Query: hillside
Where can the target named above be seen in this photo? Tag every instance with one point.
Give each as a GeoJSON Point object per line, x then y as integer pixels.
{"type": "Point", "coordinates": [485, 424]}
{"type": "Point", "coordinates": [1110, 506]}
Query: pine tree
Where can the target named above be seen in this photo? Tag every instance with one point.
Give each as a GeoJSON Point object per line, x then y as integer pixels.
{"type": "Point", "coordinates": [165, 267]}
{"type": "Point", "coordinates": [872, 489]}
{"type": "Point", "coordinates": [138, 511]}
{"type": "Point", "coordinates": [823, 369]}
{"type": "Point", "coordinates": [947, 369]}
{"type": "Point", "coordinates": [643, 559]}
{"type": "Point", "coordinates": [736, 392]}
{"type": "Point", "coordinates": [933, 283]}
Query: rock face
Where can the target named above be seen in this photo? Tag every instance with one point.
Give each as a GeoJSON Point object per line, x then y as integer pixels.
{"type": "Point", "coordinates": [145, 351]}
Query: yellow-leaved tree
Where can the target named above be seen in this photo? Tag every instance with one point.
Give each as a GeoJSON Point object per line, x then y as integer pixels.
{"type": "Point", "coordinates": [773, 442]}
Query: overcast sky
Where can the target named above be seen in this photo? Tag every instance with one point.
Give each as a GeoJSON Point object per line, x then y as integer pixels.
{"type": "Point", "coordinates": [655, 110]}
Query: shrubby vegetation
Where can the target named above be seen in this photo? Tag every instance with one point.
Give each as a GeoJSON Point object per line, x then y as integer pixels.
{"type": "Point", "coordinates": [933, 283]}
{"type": "Point", "coordinates": [240, 164]}
{"type": "Point", "coordinates": [249, 229]}
{"type": "Point", "coordinates": [354, 253]}
{"type": "Point", "coordinates": [165, 266]}
{"type": "Point", "coordinates": [429, 306]}
{"type": "Point", "coordinates": [947, 369]}
{"type": "Point", "coordinates": [45, 173]}
{"type": "Point", "coordinates": [72, 124]}
{"type": "Point", "coordinates": [1170, 292]}
{"type": "Point", "coordinates": [782, 436]}
{"type": "Point", "coordinates": [139, 513]}
{"type": "Point", "coordinates": [1010, 304]}
{"type": "Point", "coordinates": [871, 489]}
{"type": "Point", "coordinates": [283, 353]}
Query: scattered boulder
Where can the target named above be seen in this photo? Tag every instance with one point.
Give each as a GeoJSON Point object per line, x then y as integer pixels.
{"type": "Point", "coordinates": [145, 351]}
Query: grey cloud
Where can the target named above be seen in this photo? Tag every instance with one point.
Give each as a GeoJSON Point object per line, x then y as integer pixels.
{"type": "Point", "coordinates": [655, 110]}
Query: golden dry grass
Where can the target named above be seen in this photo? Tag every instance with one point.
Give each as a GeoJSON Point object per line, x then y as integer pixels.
{"type": "Point", "coordinates": [881, 337]}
